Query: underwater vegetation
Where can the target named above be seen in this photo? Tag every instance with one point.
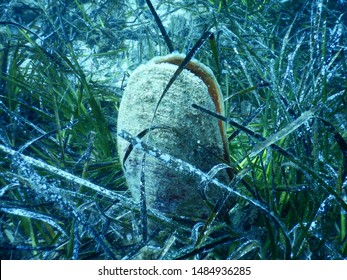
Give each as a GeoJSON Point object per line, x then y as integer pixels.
{"type": "Point", "coordinates": [281, 67]}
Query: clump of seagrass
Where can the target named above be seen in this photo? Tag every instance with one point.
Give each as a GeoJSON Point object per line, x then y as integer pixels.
{"type": "Point", "coordinates": [174, 127]}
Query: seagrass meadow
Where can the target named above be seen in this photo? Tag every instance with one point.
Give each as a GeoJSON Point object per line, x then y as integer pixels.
{"type": "Point", "coordinates": [281, 67]}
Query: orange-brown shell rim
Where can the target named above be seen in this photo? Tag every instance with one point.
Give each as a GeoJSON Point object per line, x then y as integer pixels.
{"type": "Point", "coordinates": [206, 75]}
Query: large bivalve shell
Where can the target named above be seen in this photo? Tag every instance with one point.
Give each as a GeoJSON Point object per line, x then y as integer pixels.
{"type": "Point", "coordinates": [178, 130]}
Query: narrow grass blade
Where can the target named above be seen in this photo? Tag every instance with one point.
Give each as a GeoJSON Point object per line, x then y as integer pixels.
{"type": "Point", "coordinates": [183, 64]}
{"type": "Point", "coordinates": [34, 215]}
{"type": "Point", "coordinates": [160, 26]}
{"type": "Point", "coordinates": [288, 129]}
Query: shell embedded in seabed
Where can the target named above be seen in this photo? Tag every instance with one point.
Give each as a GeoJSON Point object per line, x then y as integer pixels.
{"type": "Point", "coordinates": [178, 130]}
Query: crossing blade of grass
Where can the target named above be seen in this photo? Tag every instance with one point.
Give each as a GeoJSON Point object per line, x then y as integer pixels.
{"type": "Point", "coordinates": [34, 215]}
{"type": "Point", "coordinates": [185, 167]}
{"type": "Point", "coordinates": [207, 34]}
{"type": "Point", "coordinates": [291, 127]}
{"type": "Point", "coordinates": [289, 156]}
{"type": "Point", "coordinates": [126, 202]}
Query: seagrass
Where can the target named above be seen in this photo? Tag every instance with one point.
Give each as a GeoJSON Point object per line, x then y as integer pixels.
{"type": "Point", "coordinates": [176, 129]}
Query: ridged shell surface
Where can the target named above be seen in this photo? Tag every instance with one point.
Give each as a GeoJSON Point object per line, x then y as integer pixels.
{"type": "Point", "coordinates": [179, 130]}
